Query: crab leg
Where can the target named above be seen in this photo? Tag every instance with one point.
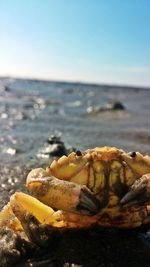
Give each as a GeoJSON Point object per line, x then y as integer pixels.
{"type": "Point", "coordinates": [60, 194]}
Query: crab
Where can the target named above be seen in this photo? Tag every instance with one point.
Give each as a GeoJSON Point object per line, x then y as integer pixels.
{"type": "Point", "coordinates": [104, 186]}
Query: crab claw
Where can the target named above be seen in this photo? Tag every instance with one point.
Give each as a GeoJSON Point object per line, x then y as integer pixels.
{"type": "Point", "coordinates": [36, 222]}
{"type": "Point", "coordinates": [88, 203]}
{"type": "Point", "coordinates": [139, 192]}
{"type": "Point", "coordinates": [60, 194]}
{"type": "Point", "coordinates": [40, 223]}
{"type": "Point", "coordinates": [22, 205]}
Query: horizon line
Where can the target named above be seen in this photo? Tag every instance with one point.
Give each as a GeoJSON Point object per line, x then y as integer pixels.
{"type": "Point", "coordinates": [32, 78]}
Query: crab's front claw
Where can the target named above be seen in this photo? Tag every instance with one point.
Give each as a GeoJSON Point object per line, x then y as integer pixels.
{"type": "Point", "coordinates": [22, 205]}
{"type": "Point", "coordinates": [88, 203]}
{"type": "Point", "coordinates": [60, 194]}
{"type": "Point", "coordinates": [139, 192]}
{"type": "Point", "coordinates": [40, 223]}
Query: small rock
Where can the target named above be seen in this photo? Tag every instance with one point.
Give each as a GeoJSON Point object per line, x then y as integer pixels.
{"type": "Point", "coordinates": [115, 106]}
{"type": "Point", "coordinates": [55, 148]}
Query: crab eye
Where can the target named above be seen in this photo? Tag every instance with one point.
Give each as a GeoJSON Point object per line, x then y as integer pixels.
{"type": "Point", "coordinates": [78, 153]}
{"type": "Point", "coordinates": [133, 154]}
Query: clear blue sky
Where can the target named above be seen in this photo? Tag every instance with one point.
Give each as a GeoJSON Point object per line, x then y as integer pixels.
{"type": "Point", "coordinates": [106, 41]}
